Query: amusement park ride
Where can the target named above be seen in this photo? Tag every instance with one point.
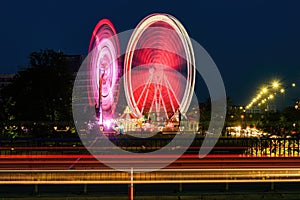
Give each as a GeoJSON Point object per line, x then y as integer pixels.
{"type": "Point", "coordinates": [158, 71]}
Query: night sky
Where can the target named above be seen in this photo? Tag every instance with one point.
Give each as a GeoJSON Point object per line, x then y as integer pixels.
{"type": "Point", "coordinates": [252, 42]}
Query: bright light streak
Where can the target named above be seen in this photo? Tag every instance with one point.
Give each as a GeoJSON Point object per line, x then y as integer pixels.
{"type": "Point", "coordinates": [214, 175]}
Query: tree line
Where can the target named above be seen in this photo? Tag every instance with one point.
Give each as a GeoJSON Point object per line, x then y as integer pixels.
{"type": "Point", "coordinates": [41, 92]}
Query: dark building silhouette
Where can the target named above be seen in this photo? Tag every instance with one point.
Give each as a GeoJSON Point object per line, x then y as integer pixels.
{"type": "Point", "coordinates": [73, 62]}
{"type": "Point", "coordinates": [5, 79]}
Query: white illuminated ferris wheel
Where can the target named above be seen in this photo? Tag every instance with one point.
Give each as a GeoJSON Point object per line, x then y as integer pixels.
{"type": "Point", "coordinates": [159, 67]}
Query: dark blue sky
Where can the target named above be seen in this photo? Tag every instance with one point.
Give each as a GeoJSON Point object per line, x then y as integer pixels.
{"type": "Point", "coordinates": [251, 42]}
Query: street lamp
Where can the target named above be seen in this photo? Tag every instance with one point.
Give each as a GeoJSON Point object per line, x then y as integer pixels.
{"type": "Point", "coordinates": [297, 105]}
{"type": "Point", "coordinates": [264, 90]}
{"type": "Point", "coordinates": [275, 84]}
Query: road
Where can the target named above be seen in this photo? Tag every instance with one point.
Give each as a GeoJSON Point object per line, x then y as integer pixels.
{"type": "Point", "coordinates": [228, 175]}
{"type": "Point", "coordinates": [42, 167]}
{"type": "Point", "coordinates": [186, 161]}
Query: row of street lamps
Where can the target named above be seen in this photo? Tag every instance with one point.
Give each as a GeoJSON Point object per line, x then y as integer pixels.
{"type": "Point", "coordinates": [267, 93]}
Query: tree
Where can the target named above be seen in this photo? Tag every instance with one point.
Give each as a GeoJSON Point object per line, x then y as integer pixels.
{"type": "Point", "coordinates": [41, 92]}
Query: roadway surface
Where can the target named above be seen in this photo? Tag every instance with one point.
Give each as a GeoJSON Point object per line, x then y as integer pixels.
{"type": "Point", "coordinates": [186, 161]}
{"type": "Point", "coordinates": [155, 177]}
{"type": "Point", "coordinates": [76, 168]}
{"type": "Point", "coordinates": [70, 169]}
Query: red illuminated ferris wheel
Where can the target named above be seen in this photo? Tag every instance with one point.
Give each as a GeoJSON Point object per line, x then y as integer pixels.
{"type": "Point", "coordinates": [159, 67]}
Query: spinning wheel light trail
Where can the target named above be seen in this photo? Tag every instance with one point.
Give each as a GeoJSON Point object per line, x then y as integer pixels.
{"type": "Point", "coordinates": [103, 70]}
{"type": "Point", "coordinates": [159, 67]}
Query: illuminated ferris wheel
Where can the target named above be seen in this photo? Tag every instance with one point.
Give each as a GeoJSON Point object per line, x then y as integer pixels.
{"type": "Point", "coordinates": [159, 68]}
{"type": "Point", "coordinates": [104, 70]}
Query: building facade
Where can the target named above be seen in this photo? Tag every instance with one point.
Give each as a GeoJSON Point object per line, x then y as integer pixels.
{"type": "Point", "coordinates": [6, 79]}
